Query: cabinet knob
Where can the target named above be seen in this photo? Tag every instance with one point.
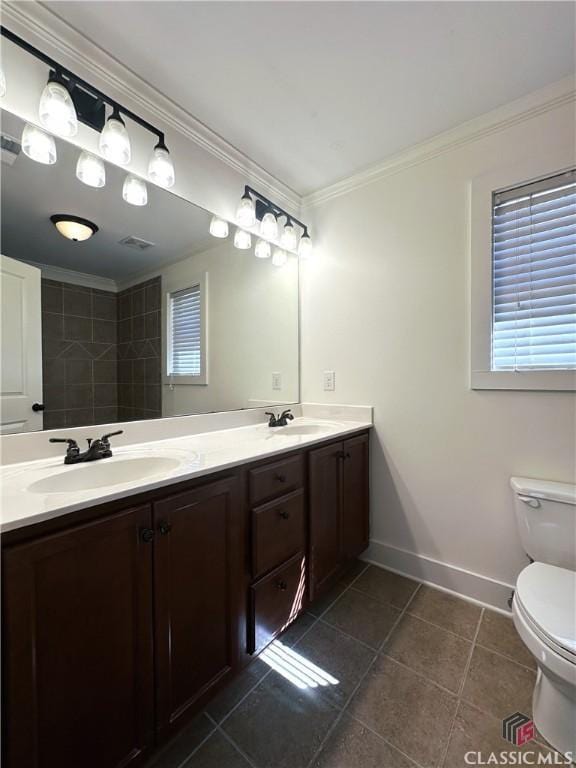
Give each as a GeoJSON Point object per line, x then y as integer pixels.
{"type": "Point", "coordinates": [147, 535]}
{"type": "Point", "coordinates": [281, 478]}
{"type": "Point", "coordinates": [164, 528]}
{"type": "Point", "coordinates": [282, 586]}
{"type": "Point", "coordinates": [284, 514]}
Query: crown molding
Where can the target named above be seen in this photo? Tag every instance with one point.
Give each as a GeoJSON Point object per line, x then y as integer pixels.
{"type": "Point", "coordinates": [32, 19]}
{"type": "Point", "coordinates": [62, 275]}
{"type": "Point", "coordinates": [537, 103]}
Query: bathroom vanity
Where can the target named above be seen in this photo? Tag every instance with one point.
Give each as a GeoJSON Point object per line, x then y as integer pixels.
{"type": "Point", "coordinates": [122, 618]}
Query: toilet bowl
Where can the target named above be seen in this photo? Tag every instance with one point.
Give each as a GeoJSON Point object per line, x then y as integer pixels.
{"type": "Point", "coordinates": [544, 614]}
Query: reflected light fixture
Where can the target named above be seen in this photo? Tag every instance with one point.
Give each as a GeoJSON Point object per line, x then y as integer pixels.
{"type": "Point", "coordinates": [279, 257]}
{"type": "Point", "coordinates": [246, 213]}
{"type": "Point", "coordinates": [289, 239]}
{"type": "Point", "coordinates": [134, 190]}
{"type": "Point", "coordinates": [269, 226]}
{"type": "Point", "coordinates": [114, 140]}
{"type": "Point", "coordinates": [263, 249]}
{"type": "Point", "coordinates": [2, 83]}
{"type": "Point", "coordinates": [305, 246]}
{"type": "Point", "coordinates": [38, 145]}
{"type": "Point", "coordinates": [218, 227]}
{"type": "Point", "coordinates": [242, 240]}
{"type": "Point", "coordinates": [73, 227]}
{"type": "Point", "coordinates": [161, 167]}
{"type": "Point", "coordinates": [57, 111]}
{"type": "Point", "coordinates": [90, 170]}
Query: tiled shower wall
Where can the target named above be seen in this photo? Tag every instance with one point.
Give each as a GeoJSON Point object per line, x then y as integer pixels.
{"type": "Point", "coordinates": [100, 354]}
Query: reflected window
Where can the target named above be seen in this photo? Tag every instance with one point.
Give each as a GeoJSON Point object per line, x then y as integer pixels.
{"type": "Point", "coordinates": [186, 334]}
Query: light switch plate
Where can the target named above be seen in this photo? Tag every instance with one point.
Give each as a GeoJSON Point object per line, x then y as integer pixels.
{"type": "Point", "coordinates": [276, 380]}
{"type": "Point", "coordinates": [329, 381]}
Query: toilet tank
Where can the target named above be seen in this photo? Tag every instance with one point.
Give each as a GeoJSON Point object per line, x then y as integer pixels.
{"type": "Point", "coordinates": [546, 519]}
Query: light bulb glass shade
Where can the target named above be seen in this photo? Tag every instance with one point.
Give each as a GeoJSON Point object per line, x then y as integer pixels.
{"type": "Point", "coordinates": [218, 227]}
{"type": "Point", "coordinates": [262, 249]}
{"type": "Point", "coordinates": [115, 143]}
{"type": "Point", "coordinates": [279, 257]}
{"type": "Point", "coordinates": [242, 240]}
{"type": "Point", "coordinates": [269, 226]}
{"type": "Point", "coordinates": [246, 213]}
{"type": "Point", "coordinates": [134, 190]}
{"type": "Point", "coordinates": [2, 83]}
{"type": "Point", "coordinates": [38, 145]}
{"type": "Point", "coordinates": [74, 228]}
{"type": "Point", "coordinates": [161, 168]}
{"type": "Point", "coordinates": [289, 239]}
{"type": "Point", "coordinates": [57, 111]}
{"type": "Point", "coordinates": [91, 170]}
{"type": "Point", "coordinates": [305, 247]}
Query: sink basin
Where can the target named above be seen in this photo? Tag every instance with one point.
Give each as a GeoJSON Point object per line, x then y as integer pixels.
{"type": "Point", "coordinates": [303, 429]}
{"type": "Point", "coordinates": [103, 473]}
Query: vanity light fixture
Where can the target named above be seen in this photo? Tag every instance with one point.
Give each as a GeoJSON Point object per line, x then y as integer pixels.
{"type": "Point", "coordinates": [57, 111]}
{"type": "Point", "coordinates": [305, 246]}
{"type": "Point", "coordinates": [114, 141]}
{"type": "Point", "coordinates": [289, 239]}
{"type": "Point", "coordinates": [73, 227]}
{"type": "Point", "coordinates": [38, 145]}
{"type": "Point", "coordinates": [90, 170]}
{"type": "Point", "coordinates": [218, 227]}
{"type": "Point", "coordinates": [246, 213]}
{"type": "Point", "coordinates": [269, 226]}
{"type": "Point", "coordinates": [279, 257]}
{"type": "Point", "coordinates": [242, 239]}
{"type": "Point", "coordinates": [263, 249]}
{"type": "Point", "coordinates": [134, 190]}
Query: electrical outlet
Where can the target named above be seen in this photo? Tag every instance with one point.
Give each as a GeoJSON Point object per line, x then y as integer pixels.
{"type": "Point", "coordinates": [276, 381]}
{"type": "Point", "coordinates": [329, 381]}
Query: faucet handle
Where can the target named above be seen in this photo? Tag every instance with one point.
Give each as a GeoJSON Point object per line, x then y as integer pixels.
{"type": "Point", "coordinates": [287, 414]}
{"type": "Point", "coordinates": [272, 422]}
{"type": "Point", "coordinates": [72, 449]}
{"type": "Point", "coordinates": [105, 438]}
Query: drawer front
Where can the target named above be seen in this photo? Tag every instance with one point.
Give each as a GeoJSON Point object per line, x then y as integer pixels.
{"type": "Point", "coordinates": [277, 532]}
{"type": "Point", "coordinates": [276, 479]}
{"type": "Point", "coordinates": [276, 601]}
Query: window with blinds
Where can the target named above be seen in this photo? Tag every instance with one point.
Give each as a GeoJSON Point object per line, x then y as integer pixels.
{"type": "Point", "coordinates": [534, 276]}
{"type": "Point", "coordinates": [185, 332]}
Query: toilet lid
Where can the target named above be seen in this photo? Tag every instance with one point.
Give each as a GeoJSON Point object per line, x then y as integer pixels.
{"type": "Point", "coordinates": [548, 595]}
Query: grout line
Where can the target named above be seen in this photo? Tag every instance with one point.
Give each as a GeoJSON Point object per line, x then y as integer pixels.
{"type": "Point", "coordinates": [196, 748]}
{"type": "Point", "coordinates": [449, 631]}
{"type": "Point", "coordinates": [350, 637]}
{"type": "Point", "coordinates": [235, 746]}
{"type": "Point", "coordinates": [346, 588]}
{"type": "Point", "coordinates": [381, 738]}
{"type": "Point", "coordinates": [504, 656]}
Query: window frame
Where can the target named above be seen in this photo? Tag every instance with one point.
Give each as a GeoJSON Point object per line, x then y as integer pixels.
{"type": "Point", "coordinates": [169, 289]}
{"type": "Point", "coordinates": [482, 189]}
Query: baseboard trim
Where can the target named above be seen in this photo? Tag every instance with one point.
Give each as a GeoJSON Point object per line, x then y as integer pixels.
{"type": "Point", "coordinates": [482, 590]}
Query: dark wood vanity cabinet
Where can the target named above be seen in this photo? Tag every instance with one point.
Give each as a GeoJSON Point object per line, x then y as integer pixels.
{"type": "Point", "coordinates": [120, 622]}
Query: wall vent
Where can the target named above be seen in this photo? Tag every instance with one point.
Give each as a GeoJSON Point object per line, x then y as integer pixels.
{"type": "Point", "coordinates": [136, 242]}
{"type": "Point", "coordinates": [9, 149]}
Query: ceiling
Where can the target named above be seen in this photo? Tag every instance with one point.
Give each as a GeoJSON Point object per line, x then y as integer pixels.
{"type": "Point", "coordinates": [32, 192]}
{"type": "Point", "coordinates": [315, 91]}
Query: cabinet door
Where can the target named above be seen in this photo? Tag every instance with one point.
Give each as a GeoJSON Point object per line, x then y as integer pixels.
{"type": "Point", "coordinates": [78, 674]}
{"type": "Point", "coordinates": [355, 496]}
{"type": "Point", "coordinates": [198, 586]}
{"type": "Point", "coordinates": [325, 515]}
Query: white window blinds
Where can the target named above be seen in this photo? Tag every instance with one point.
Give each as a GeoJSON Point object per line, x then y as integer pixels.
{"type": "Point", "coordinates": [534, 276]}
{"type": "Point", "coordinates": [185, 332]}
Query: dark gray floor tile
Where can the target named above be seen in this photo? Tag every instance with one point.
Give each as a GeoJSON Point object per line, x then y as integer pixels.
{"type": "Point", "coordinates": [294, 632]}
{"type": "Point", "coordinates": [279, 725]}
{"type": "Point", "coordinates": [498, 633]}
{"type": "Point", "coordinates": [352, 745]}
{"type": "Point", "coordinates": [353, 570]}
{"type": "Point", "coordinates": [217, 752]}
{"type": "Point", "coordinates": [236, 689]}
{"type": "Point", "coordinates": [321, 605]}
{"type": "Point", "coordinates": [364, 618]}
{"type": "Point", "coordinates": [446, 611]}
{"type": "Point", "coordinates": [386, 586]}
{"type": "Point", "coordinates": [497, 685]}
{"type": "Point", "coordinates": [408, 711]}
{"type": "Point", "coordinates": [433, 652]}
{"type": "Point", "coordinates": [173, 754]}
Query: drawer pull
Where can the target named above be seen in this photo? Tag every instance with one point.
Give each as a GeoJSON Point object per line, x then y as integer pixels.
{"type": "Point", "coordinates": [147, 535]}
{"type": "Point", "coordinates": [284, 514]}
{"type": "Point", "coordinates": [282, 586]}
{"type": "Point", "coordinates": [281, 478]}
{"type": "Point", "coordinates": [164, 528]}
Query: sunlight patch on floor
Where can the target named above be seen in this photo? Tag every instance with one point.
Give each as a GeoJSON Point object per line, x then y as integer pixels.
{"type": "Point", "coordinates": [296, 668]}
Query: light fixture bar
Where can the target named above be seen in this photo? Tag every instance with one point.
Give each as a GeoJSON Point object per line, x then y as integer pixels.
{"type": "Point", "coordinates": [265, 205]}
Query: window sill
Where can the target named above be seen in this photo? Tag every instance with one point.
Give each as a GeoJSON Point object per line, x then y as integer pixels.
{"type": "Point", "coordinates": [551, 381]}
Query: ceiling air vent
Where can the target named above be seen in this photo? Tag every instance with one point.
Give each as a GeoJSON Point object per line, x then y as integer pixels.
{"type": "Point", "coordinates": [136, 242]}
{"type": "Point", "coordinates": [9, 149]}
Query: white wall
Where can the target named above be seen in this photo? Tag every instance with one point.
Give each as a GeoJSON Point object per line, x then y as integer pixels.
{"type": "Point", "coordinates": [386, 305]}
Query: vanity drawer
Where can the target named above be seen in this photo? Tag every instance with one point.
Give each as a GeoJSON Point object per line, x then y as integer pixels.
{"type": "Point", "coordinates": [276, 479]}
{"type": "Point", "coordinates": [277, 531]}
{"type": "Point", "coordinates": [276, 599]}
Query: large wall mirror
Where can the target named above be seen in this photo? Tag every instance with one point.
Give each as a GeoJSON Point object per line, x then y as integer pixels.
{"type": "Point", "coordinates": [148, 317]}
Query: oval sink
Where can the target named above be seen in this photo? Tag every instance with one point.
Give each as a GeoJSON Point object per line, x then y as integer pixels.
{"type": "Point", "coordinates": [303, 429]}
{"type": "Point", "coordinates": [99, 474]}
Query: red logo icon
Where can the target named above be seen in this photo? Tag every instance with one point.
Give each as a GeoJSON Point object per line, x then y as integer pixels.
{"type": "Point", "coordinates": [518, 729]}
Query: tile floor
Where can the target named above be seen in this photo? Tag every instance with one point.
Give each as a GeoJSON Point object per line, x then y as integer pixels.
{"type": "Point", "coordinates": [405, 676]}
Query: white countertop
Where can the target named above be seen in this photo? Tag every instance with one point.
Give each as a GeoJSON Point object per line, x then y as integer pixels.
{"type": "Point", "coordinates": [185, 457]}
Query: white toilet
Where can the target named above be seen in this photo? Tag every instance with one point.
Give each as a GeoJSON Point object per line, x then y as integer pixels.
{"type": "Point", "coordinates": [544, 605]}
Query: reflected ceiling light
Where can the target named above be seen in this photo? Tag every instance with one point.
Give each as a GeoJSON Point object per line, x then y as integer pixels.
{"type": "Point", "coordinates": [73, 227]}
{"type": "Point", "coordinates": [91, 170]}
{"type": "Point", "coordinates": [38, 145]}
{"type": "Point", "coordinates": [269, 226]}
{"type": "Point", "coordinates": [246, 213]}
{"type": "Point", "coordinates": [279, 257]}
{"type": "Point", "coordinates": [114, 140]}
{"type": "Point", "coordinates": [161, 167]}
{"type": "Point", "coordinates": [305, 246]}
{"type": "Point", "coordinates": [289, 239]}
{"type": "Point", "coordinates": [134, 190]}
{"type": "Point", "coordinates": [57, 111]}
{"type": "Point", "coordinates": [242, 240]}
{"type": "Point", "coordinates": [2, 83]}
{"type": "Point", "coordinates": [218, 227]}
{"type": "Point", "coordinates": [263, 249]}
